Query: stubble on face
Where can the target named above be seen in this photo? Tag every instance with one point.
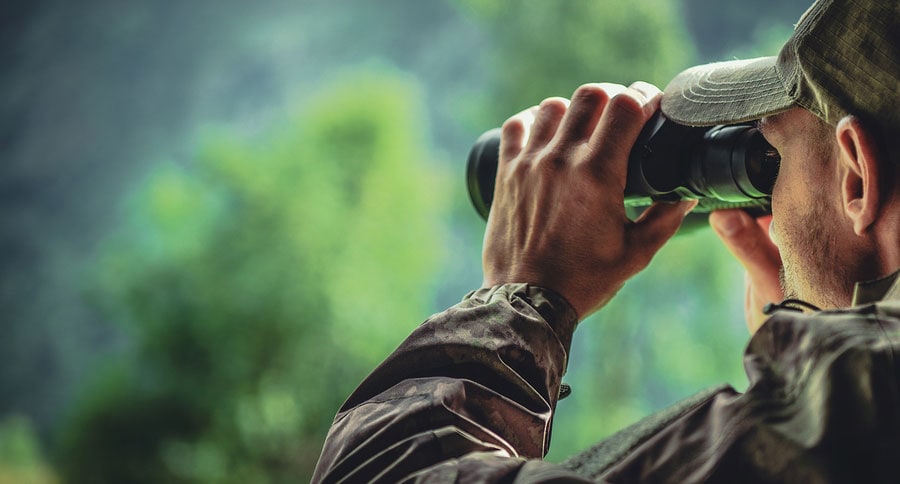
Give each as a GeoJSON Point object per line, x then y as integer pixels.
{"type": "Point", "coordinates": [815, 268]}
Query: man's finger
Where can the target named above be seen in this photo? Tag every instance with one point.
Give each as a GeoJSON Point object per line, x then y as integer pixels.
{"type": "Point", "coordinates": [618, 129]}
{"type": "Point", "coordinates": [648, 90]}
{"type": "Point", "coordinates": [747, 241]}
{"type": "Point", "coordinates": [588, 103]}
{"type": "Point", "coordinates": [546, 122]}
{"type": "Point", "coordinates": [514, 133]}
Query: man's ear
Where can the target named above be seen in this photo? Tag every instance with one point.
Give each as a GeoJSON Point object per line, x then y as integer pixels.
{"type": "Point", "coordinates": [860, 158]}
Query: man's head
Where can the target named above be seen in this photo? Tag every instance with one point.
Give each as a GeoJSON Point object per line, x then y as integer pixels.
{"type": "Point", "coordinates": [828, 104]}
{"type": "Point", "coordinates": [824, 215]}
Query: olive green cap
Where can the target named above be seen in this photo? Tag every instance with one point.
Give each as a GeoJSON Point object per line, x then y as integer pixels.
{"type": "Point", "coordinates": [843, 58]}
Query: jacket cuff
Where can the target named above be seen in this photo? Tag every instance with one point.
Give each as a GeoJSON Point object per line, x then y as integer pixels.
{"type": "Point", "coordinates": [552, 307]}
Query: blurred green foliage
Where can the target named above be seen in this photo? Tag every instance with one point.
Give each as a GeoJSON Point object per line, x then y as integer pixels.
{"type": "Point", "coordinates": [543, 49]}
{"type": "Point", "coordinates": [723, 29]}
{"type": "Point", "coordinates": [21, 458]}
{"type": "Point", "coordinates": [258, 283]}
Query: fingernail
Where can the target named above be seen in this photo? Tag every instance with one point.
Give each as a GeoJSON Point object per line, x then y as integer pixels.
{"type": "Point", "coordinates": [732, 224]}
{"type": "Point", "coordinates": [688, 206]}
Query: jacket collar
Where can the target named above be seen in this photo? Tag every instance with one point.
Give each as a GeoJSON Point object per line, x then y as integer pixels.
{"type": "Point", "coordinates": [886, 288]}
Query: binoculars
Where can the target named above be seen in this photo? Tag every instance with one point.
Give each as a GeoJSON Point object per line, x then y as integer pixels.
{"type": "Point", "coordinates": [726, 166]}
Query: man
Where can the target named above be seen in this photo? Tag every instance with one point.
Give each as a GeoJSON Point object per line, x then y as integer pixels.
{"type": "Point", "coordinates": [469, 396]}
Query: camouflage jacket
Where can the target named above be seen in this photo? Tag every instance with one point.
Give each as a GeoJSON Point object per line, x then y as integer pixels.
{"type": "Point", "coordinates": [470, 395]}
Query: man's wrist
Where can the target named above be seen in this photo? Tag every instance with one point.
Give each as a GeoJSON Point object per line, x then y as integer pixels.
{"type": "Point", "coordinates": [548, 304]}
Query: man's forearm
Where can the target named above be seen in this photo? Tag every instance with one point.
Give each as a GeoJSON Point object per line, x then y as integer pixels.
{"type": "Point", "coordinates": [482, 376]}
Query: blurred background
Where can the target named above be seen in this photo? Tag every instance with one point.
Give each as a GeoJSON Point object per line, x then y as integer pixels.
{"type": "Point", "coordinates": [219, 216]}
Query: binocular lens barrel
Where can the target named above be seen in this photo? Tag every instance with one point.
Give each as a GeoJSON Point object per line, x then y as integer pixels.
{"type": "Point", "coordinates": [723, 167]}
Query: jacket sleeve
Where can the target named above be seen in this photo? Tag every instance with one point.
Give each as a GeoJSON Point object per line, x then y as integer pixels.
{"type": "Point", "coordinates": [471, 392]}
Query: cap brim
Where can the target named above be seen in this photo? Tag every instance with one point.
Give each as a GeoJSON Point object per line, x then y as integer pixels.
{"type": "Point", "coordinates": [726, 93]}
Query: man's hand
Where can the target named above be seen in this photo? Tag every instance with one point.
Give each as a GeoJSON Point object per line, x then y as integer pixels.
{"type": "Point", "coordinates": [558, 217]}
{"type": "Point", "coordinates": [748, 240]}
